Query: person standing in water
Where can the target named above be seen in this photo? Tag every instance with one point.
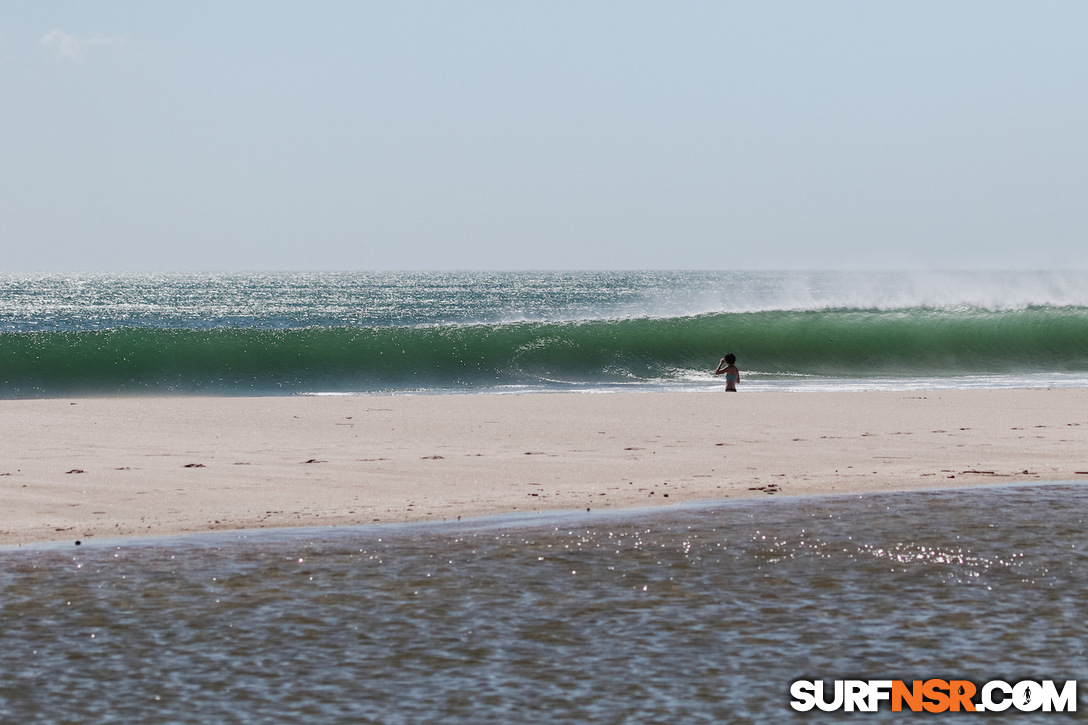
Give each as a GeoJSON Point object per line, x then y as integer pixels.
{"type": "Point", "coordinates": [732, 375]}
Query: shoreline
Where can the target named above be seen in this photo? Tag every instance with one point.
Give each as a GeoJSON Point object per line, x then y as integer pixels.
{"type": "Point", "coordinates": [110, 468]}
{"type": "Point", "coordinates": [487, 522]}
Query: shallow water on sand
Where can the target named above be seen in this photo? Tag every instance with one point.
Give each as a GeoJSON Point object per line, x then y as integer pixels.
{"type": "Point", "coordinates": [695, 614]}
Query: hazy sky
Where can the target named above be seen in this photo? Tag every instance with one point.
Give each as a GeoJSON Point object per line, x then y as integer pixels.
{"type": "Point", "coordinates": [354, 135]}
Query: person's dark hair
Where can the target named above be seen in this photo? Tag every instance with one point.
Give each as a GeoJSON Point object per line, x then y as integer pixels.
{"type": "Point", "coordinates": [730, 359]}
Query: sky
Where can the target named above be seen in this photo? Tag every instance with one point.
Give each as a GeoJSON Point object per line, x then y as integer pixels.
{"type": "Point", "coordinates": [397, 135]}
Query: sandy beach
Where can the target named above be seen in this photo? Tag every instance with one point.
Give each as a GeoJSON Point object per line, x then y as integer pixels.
{"type": "Point", "coordinates": [76, 469]}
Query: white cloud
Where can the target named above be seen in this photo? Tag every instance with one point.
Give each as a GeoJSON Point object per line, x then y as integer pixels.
{"type": "Point", "coordinates": [68, 46]}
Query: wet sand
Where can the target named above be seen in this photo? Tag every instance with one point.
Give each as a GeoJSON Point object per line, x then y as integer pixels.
{"type": "Point", "coordinates": [75, 469]}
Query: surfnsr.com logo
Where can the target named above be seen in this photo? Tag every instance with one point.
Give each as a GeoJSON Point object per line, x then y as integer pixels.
{"type": "Point", "coordinates": [934, 696]}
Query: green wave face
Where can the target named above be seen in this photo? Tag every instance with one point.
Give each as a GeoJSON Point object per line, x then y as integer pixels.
{"type": "Point", "coordinates": [846, 343]}
{"type": "Point", "coordinates": [914, 342]}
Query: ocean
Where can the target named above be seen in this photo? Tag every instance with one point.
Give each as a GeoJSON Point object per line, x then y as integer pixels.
{"type": "Point", "coordinates": [697, 613]}
{"type": "Point", "coordinates": [290, 334]}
